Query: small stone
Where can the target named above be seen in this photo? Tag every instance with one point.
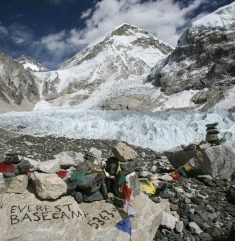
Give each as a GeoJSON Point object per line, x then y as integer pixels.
{"type": "Point", "coordinates": [97, 196]}
{"type": "Point", "coordinates": [215, 232]}
{"type": "Point", "coordinates": [212, 131]}
{"type": "Point", "coordinates": [12, 158]}
{"type": "Point", "coordinates": [96, 153]}
{"type": "Point", "coordinates": [179, 226]}
{"type": "Point", "coordinates": [205, 237]}
{"type": "Point", "coordinates": [77, 196]}
{"type": "Point", "coordinates": [168, 221]}
{"type": "Point", "coordinates": [24, 167]}
{"type": "Point", "coordinates": [187, 200]}
{"type": "Point", "coordinates": [144, 173]}
{"type": "Point", "coordinates": [211, 137]}
{"type": "Point", "coordinates": [174, 207]}
{"type": "Point", "coordinates": [178, 190]}
{"type": "Point", "coordinates": [194, 228]}
{"type": "Point", "coordinates": [212, 125]}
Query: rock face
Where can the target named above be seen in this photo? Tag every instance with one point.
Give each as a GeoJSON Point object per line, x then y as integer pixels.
{"type": "Point", "coordinates": [65, 219]}
{"type": "Point", "coordinates": [49, 186]}
{"type": "Point", "coordinates": [18, 89]}
{"type": "Point", "coordinates": [203, 59]}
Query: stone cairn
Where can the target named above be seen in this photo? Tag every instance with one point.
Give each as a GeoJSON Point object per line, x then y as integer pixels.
{"type": "Point", "coordinates": [212, 134]}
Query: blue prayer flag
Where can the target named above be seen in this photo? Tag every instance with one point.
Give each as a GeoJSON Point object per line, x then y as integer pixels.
{"type": "Point", "coordinates": [124, 225]}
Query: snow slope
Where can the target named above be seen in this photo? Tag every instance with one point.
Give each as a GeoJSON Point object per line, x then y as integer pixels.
{"type": "Point", "coordinates": [118, 59]}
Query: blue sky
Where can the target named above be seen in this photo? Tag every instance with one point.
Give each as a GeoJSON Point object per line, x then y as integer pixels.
{"type": "Point", "coordinates": [53, 30]}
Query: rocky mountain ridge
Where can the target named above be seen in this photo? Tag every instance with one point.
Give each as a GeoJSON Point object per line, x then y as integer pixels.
{"type": "Point", "coordinates": [31, 64]}
{"type": "Point", "coordinates": [18, 89]}
{"type": "Point", "coordinates": [203, 60]}
{"type": "Point", "coordinates": [106, 71]}
{"type": "Point", "coordinates": [113, 72]}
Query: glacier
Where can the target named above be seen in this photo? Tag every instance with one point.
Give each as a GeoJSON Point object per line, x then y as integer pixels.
{"type": "Point", "coordinates": [159, 131]}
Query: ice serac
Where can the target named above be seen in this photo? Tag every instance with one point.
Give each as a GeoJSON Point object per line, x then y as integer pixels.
{"type": "Point", "coordinates": [18, 89]}
{"type": "Point", "coordinates": [107, 73]}
{"type": "Point", "coordinates": [203, 60]}
{"type": "Point", "coordinates": [31, 64]}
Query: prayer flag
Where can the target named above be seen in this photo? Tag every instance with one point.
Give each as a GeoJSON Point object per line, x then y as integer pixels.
{"type": "Point", "coordinates": [124, 225]}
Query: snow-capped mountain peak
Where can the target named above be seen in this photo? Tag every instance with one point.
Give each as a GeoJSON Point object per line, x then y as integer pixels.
{"type": "Point", "coordinates": [108, 73]}
{"type": "Point", "coordinates": [31, 64]}
{"type": "Point", "coordinates": [122, 39]}
{"type": "Point", "coordinates": [223, 19]}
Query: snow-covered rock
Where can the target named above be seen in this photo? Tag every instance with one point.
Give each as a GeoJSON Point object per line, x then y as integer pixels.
{"type": "Point", "coordinates": [18, 89]}
{"type": "Point", "coordinates": [30, 63]}
{"type": "Point", "coordinates": [108, 73]}
{"type": "Point", "coordinates": [203, 61]}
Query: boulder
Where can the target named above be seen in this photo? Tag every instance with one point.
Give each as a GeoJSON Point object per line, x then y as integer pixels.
{"type": "Point", "coordinates": [123, 152]}
{"type": "Point", "coordinates": [69, 158]}
{"type": "Point", "coordinates": [50, 166]}
{"type": "Point", "coordinates": [16, 184]}
{"type": "Point", "coordinates": [218, 160]}
{"type": "Point", "coordinates": [26, 218]}
{"type": "Point", "coordinates": [168, 221]}
{"type": "Point", "coordinates": [49, 186]}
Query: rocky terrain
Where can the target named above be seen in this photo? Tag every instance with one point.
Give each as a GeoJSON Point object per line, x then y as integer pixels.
{"type": "Point", "coordinates": [203, 60]}
{"type": "Point", "coordinates": [202, 208]}
{"type": "Point", "coordinates": [18, 89]}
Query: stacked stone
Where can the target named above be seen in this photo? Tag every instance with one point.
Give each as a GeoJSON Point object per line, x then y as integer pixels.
{"type": "Point", "coordinates": [212, 134]}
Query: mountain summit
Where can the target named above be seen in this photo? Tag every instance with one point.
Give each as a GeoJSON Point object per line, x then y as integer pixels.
{"type": "Point", "coordinates": [107, 70]}
{"type": "Point", "coordinates": [30, 63]}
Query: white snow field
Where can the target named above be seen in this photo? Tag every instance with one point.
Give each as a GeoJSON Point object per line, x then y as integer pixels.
{"type": "Point", "coordinates": [158, 130]}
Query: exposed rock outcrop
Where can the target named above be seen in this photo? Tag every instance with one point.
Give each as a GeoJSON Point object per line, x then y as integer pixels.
{"type": "Point", "coordinates": [17, 87]}
{"type": "Point", "coordinates": [203, 60]}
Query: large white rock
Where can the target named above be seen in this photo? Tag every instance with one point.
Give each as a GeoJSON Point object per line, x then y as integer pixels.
{"type": "Point", "coordinates": [69, 158]}
{"type": "Point", "coordinates": [123, 152]}
{"type": "Point", "coordinates": [194, 228]}
{"type": "Point", "coordinates": [25, 218]}
{"type": "Point", "coordinates": [50, 166]}
{"type": "Point", "coordinates": [49, 186]}
{"type": "Point", "coordinates": [16, 184]}
{"type": "Point", "coordinates": [168, 221]}
{"type": "Point", "coordinates": [219, 161]}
